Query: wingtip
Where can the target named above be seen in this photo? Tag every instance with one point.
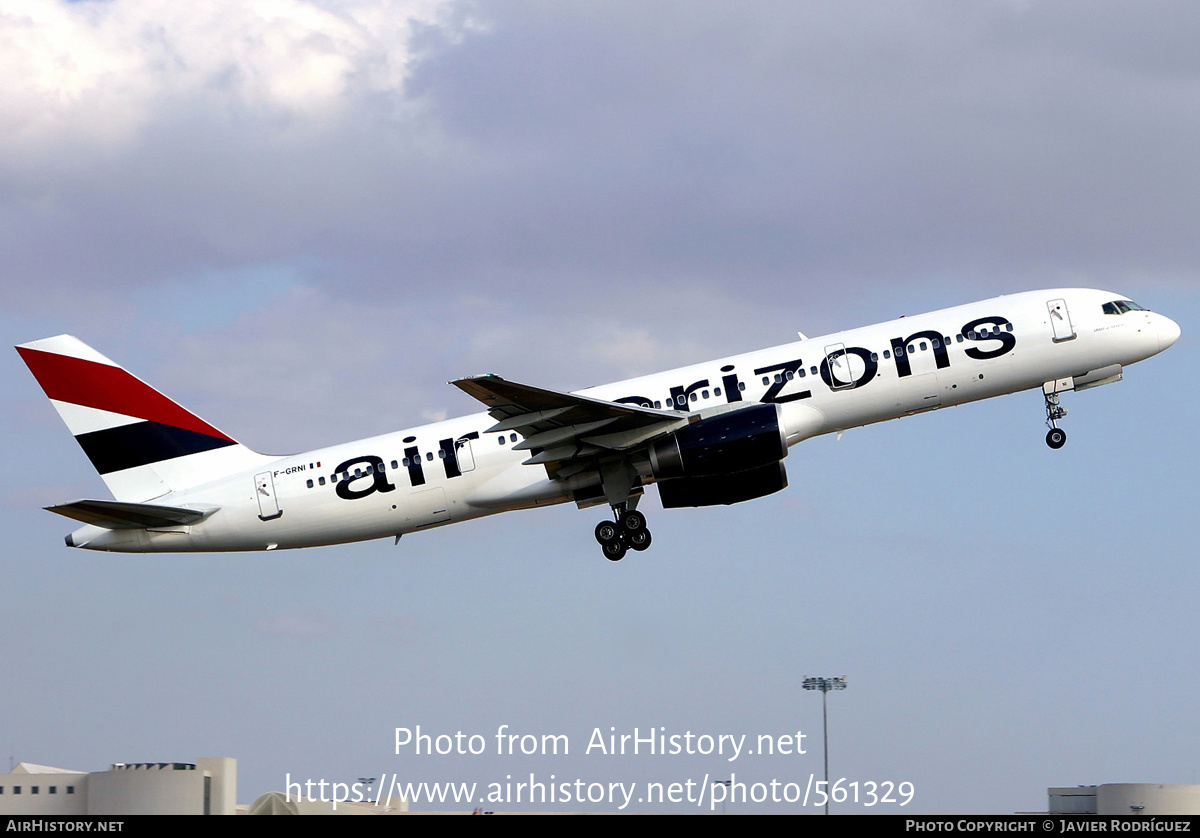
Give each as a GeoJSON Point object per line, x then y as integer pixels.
{"type": "Point", "coordinates": [467, 379]}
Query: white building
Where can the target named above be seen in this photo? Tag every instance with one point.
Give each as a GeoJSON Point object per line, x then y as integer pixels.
{"type": "Point", "coordinates": [206, 787]}
{"type": "Point", "coordinates": [1126, 799]}
{"type": "Point", "coordinates": [41, 790]}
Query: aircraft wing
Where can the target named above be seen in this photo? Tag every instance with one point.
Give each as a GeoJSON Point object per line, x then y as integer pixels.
{"type": "Point", "coordinates": [117, 515]}
{"type": "Point", "coordinates": [563, 427]}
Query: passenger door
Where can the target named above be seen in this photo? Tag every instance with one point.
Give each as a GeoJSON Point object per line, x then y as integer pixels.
{"type": "Point", "coordinates": [1060, 320]}
{"type": "Point", "coordinates": [264, 490]}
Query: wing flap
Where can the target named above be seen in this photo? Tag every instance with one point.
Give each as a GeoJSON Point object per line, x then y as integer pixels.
{"type": "Point", "coordinates": [533, 410]}
{"type": "Point", "coordinates": [546, 439]}
{"type": "Point", "coordinates": [522, 419]}
{"type": "Point", "coordinates": [562, 427]}
{"type": "Point", "coordinates": [507, 400]}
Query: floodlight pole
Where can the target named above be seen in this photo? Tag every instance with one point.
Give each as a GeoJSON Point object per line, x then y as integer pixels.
{"type": "Point", "coordinates": [726, 784]}
{"type": "Point", "coordinates": [825, 685]}
{"type": "Point", "coordinates": [368, 781]}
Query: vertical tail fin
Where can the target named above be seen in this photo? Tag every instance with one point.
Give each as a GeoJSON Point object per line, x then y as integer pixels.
{"type": "Point", "coordinates": [143, 444]}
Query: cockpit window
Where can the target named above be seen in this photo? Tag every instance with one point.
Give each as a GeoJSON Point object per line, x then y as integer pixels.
{"type": "Point", "coordinates": [1121, 307]}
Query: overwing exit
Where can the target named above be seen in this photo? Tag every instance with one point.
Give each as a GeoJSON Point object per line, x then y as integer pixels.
{"type": "Point", "coordinates": [710, 434]}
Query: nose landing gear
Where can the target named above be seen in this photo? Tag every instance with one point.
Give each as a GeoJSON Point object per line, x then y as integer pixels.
{"type": "Point", "coordinates": [1056, 437]}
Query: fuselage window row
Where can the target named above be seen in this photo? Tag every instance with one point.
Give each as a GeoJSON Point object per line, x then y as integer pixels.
{"type": "Point", "coordinates": [1119, 307]}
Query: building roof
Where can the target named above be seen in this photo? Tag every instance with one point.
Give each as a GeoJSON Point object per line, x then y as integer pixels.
{"type": "Point", "coordinates": [33, 768]}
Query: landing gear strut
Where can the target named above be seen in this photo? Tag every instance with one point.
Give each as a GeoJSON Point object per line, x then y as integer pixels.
{"type": "Point", "coordinates": [627, 532]}
{"type": "Point", "coordinates": [1056, 437]}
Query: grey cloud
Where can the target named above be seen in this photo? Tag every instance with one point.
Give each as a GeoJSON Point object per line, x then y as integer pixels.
{"type": "Point", "coordinates": [553, 150]}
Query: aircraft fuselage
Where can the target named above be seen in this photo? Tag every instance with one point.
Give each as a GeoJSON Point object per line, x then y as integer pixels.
{"type": "Point", "coordinates": [451, 471]}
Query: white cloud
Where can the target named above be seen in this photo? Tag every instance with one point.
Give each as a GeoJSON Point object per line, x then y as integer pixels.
{"type": "Point", "coordinates": [95, 73]}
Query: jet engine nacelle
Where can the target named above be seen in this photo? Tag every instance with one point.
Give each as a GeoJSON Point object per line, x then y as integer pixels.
{"type": "Point", "coordinates": [730, 442]}
{"type": "Point", "coordinates": [724, 489]}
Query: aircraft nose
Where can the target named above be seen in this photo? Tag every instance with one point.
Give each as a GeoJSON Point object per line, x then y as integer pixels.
{"type": "Point", "coordinates": [1168, 332]}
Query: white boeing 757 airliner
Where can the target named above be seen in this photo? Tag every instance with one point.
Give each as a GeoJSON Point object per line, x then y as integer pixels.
{"type": "Point", "coordinates": [713, 433]}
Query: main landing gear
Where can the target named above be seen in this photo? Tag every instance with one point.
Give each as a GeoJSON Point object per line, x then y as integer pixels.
{"type": "Point", "coordinates": [1056, 437]}
{"type": "Point", "coordinates": [627, 532]}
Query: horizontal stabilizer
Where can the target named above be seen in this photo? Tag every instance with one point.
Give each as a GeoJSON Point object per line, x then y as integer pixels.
{"type": "Point", "coordinates": [118, 515]}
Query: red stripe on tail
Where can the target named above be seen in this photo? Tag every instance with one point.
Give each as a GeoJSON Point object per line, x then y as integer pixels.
{"type": "Point", "coordinates": [103, 387]}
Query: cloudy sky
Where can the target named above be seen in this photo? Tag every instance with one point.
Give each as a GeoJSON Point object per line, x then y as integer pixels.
{"type": "Point", "coordinates": [300, 219]}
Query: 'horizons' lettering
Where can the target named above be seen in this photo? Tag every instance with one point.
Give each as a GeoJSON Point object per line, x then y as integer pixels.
{"type": "Point", "coordinates": [979, 331]}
